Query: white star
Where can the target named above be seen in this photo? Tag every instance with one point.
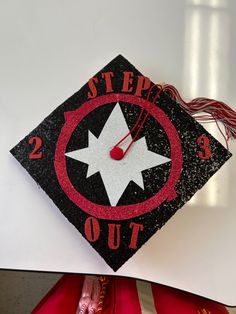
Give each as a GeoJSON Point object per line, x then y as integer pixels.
{"type": "Point", "coordinates": [116, 174]}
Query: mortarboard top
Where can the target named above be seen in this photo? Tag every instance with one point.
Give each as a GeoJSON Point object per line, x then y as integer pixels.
{"type": "Point", "coordinates": [118, 205]}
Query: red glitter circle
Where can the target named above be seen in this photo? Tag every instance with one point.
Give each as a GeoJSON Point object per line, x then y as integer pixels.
{"type": "Point", "coordinates": [122, 212]}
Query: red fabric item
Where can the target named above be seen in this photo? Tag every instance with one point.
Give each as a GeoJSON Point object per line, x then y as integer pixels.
{"type": "Point", "coordinates": [122, 298]}
{"type": "Point", "coordinates": [63, 298]}
{"type": "Point", "coordinates": [168, 300]}
{"type": "Point", "coordinates": [126, 296]}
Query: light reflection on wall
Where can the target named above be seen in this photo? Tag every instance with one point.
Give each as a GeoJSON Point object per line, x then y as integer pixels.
{"type": "Point", "coordinates": [205, 74]}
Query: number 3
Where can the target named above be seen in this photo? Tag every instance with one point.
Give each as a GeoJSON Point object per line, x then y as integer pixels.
{"type": "Point", "coordinates": [35, 154]}
{"type": "Point", "coordinates": [203, 142]}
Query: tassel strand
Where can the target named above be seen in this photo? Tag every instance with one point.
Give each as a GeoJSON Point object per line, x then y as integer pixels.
{"type": "Point", "coordinates": [216, 111]}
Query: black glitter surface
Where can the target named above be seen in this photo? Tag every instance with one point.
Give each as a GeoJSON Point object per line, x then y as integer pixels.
{"type": "Point", "coordinates": [195, 171]}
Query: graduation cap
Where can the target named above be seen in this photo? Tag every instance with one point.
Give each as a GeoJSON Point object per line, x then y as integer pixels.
{"type": "Point", "coordinates": [119, 158]}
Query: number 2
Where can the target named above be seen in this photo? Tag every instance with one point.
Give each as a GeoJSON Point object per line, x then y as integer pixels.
{"type": "Point", "coordinates": [203, 142]}
{"type": "Point", "coordinates": [37, 141]}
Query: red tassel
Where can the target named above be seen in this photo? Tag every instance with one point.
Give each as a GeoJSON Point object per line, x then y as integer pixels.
{"type": "Point", "coordinates": [215, 110]}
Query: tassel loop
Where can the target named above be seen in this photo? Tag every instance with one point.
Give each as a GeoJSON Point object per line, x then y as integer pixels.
{"type": "Point", "coordinates": [116, 152]}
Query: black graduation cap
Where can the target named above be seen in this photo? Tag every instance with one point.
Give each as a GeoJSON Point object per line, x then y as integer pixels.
{"type": "Point", "coordinates": [119, 158]}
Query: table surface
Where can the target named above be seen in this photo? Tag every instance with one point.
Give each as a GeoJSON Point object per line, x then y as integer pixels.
{"type": "Point", "coordinates": [49, 49]}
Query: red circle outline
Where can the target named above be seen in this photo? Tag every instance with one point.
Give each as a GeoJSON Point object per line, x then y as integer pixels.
{"type": "Point", "coordinates": [122, 212]}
